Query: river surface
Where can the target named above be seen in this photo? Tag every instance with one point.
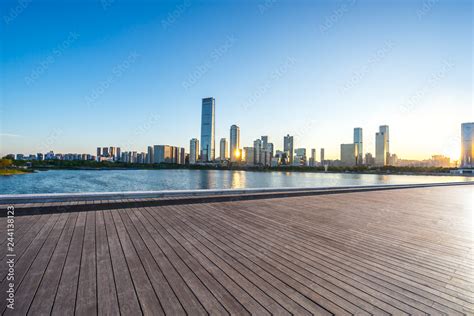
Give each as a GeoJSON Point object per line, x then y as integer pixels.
{"type": "Point", "coordinates": [68, 181]}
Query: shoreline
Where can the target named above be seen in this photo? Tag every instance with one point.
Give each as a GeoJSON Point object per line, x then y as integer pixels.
{"type": "Point", "coordinates": [257, 169]}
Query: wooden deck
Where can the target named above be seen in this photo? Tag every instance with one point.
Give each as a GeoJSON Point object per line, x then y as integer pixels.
{"type": "Point", "coordinates": [398, 252]}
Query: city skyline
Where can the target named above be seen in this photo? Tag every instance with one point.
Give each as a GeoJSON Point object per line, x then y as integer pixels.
{"type": "Point", "coordinates": [360, 69]}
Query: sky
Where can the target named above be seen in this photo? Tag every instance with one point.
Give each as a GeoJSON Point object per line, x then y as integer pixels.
{"type": "Point", "coordinates": [76, 75]}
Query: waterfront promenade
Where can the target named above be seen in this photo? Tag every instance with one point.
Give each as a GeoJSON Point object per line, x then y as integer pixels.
{"type": "Point", "coordinates": [388, 251]}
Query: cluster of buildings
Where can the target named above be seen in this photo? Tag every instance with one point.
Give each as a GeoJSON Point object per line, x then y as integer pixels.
{"type": "Point", "coordinates": [262, 153]}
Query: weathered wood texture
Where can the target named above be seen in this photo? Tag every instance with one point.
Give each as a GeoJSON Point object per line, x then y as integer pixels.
{"type": "Point", "coordinates": [384, 252]}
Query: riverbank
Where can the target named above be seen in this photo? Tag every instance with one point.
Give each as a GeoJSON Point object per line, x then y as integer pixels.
{"type": "Point", "coordinates": [11, 172]}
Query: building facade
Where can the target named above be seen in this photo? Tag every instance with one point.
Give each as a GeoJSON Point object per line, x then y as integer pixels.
{"type": "Point", "coordinates": [208, 129]}
{"type": "Point", "coordinates": [349, 154]}
{"type": "Point", "coordinates": [467, 145]}
{"type": "Point", "coordinates": [382, 149]}
{"type": "Point", "coordinates": [224, 149]}
{"type": "Point", "coordinates": [235, 143]}
{"type": "Point", "coordinates": [288, 147]}
{"type": "Point", "coordinates": [359, 145]}
{"type": "Point", "coordinates": [193, 151]}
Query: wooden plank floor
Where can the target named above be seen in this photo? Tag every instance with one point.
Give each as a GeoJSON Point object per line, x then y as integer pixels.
{"type": "Point", "coordinates": [397, 252]}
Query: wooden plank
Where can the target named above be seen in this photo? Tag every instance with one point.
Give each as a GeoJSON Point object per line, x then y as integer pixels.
{"type": "Point", "coordinates": [106, 292]}
{"type": "Point", "coordinates": [206, 298]}
{"type": "Point", "coordinates": [126, 293]}
{"type": "Point", "coordinates": [86, 299]}
{"type": "Point", "coordinates": [44, 298]}
{"type": "Point", "coordinates": [27, 286]}
{"type": "Point", "coordinates": [149, 302]}
{"type": "Point", "coordinates": [65, 301]}
{"type": "Point", "coordinates": [163, 290]}
{"type": "Point", "coordinates": [187, 298]}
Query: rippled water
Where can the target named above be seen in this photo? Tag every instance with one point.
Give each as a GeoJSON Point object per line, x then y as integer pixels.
{"type": "Point", "coordinates": [64, 181]}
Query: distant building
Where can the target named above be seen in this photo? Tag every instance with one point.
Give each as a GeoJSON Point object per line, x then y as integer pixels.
{"type": "Point", "coordinates": [224, 149]}
{"type": "Point", "coordinates": [182, 156]}
{"type": "Point", "coordinates": [99, 152]}
{"type": "Point", "coordinates": [288, 147]}
{"type": "Point", "coordinates": [312, 159]}
{"type": "Point", "coordinates": [358, 144]}
{"type": "Point", "coordinates": [258, 151]}
{"type": "Point", "coordinates": [149, 155]}
{"type": "Point", "coordinates": [208, 129]}
{"type": "Point", "coordinates": [249, 154]}
{"type": "Point", "coordinates": [39, 156]}
{"type": "Point", "coordinates": [105, 151]}
{"type": "Point", "coordinates": [162, 154]}
{"type": "Point", "coordinates": [235, 154]}
{"type": "Point", "coordinates": [193, 151]}
{"type": "Point", "coordinates": [467, 145]}
{"type": "Point", "coordinates": [369, 159]}
{"type": "Point", "coordinates": [349, 154]}
{"type": "Point", "coordinates": [321, 156]}
{"type": "Point", "coordinates": [300, 158]}
{"type": "Point", "coordinates": [382, 151]}
{"type": "Point", "coordinates": [112, 152]}
{"type": "Point", "coordinates": [117, 154]}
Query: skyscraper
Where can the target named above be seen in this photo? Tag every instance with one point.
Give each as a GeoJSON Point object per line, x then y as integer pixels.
{"type": "Point", "coordinates": [150, 155]}
{"type": "Point", "coordinates": [235, 143]}
{"type": "Point", "coordinates": [207, 129]}
{"type": "Point", "coordinates": [288, 147]}
{"type": "Point", "coordinates": [193, 151]}
{"type": "Point", "coordinates": [382, 152]}
{"type": "Point", "coordinates": [224, 149]}
{"type": "Point", "coordinates": [358, 144]}
{"type": "Point", "coordinates": [312, 159]}
{"type": "Point", "coordinates": [117, 154]}
{"type": "Point", "coordinates": [322, 156]}
{"type": "Point", "coordinates": [467, 145]}
{"type": "Point", "coordinates": [349, 154]}
{"type": "Point", "coordinates": [257, 145]}
{"type": "Point", "coordinates": [99, 152]}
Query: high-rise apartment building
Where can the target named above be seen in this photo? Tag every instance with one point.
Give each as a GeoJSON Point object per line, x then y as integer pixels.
{"type": "Point", "coordinates": [312, 159]}
{"type": "Point", "coordinates": [99, 152]}
{"type": "Point", "coordinates": [193, 151]}
{"type": "Point", "coordinates": [235, 154]}
{"type": "Point", "coordinates": [118, 153]}
{"type": "Point", "coordinates": [224, 149]}
{"type": "Point", "coordinates": [249, 156]}
{"type": "Point", "coordinates": [149, 157]}
{"type": "Point", "coordinates": [288, 147]}
{"type": "Point", "coordinates": [382, 151]}
{"type": "Point", "coordinates": [258, 152]}
{"type": "Point", "coordinates": [358, 144]}
{"type": "Point", "coordinates": [208, 129]}
{"type": "Point", "coordinates": [300, 157]}
{"type": "Point", "coordinates": [467, 145]}
{"type": "Point", "coordinates": [105, 151]}
{"type": "Point", "coordinates": [321, 155]}
{"type": "Point", "coordinates": [349, 154]}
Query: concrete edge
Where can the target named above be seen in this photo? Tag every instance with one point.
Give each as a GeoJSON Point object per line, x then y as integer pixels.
{"type": "Point", "coordinates": [45, 208]}
{"type": "Point", "coordinates": [95, 196]}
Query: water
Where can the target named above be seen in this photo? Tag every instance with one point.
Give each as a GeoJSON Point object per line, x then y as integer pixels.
{"type": "Point", "coordinates": [67, 181]}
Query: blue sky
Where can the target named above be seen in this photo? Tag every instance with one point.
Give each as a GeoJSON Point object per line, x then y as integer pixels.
{"type": "Point", "coordinates": [80, 74]}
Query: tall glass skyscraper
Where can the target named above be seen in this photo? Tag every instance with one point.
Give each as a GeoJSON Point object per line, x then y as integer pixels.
{"type": "Point", "coordinates": [208, 129]}
{"type": "Point", "coordinates": [467, 145]}
{"type": "Point", "coordinates": [235, 143]}
{"type": "Point", "coordinates": [288, 147]}
{"type": "Point", "coordinates": [382, 149]}
{"type": "Point", "coordinates": [358, 144]}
